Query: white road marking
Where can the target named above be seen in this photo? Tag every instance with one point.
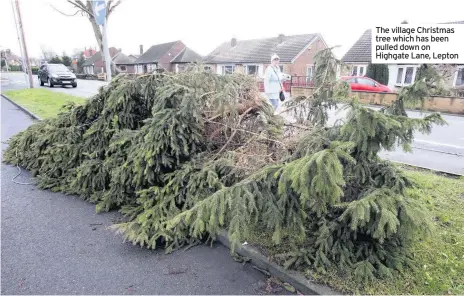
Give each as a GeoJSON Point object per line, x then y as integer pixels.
{"type": "Point", "coordinates": [439, 144]}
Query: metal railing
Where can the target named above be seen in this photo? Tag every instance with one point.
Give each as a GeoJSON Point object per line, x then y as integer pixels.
{"type": "Point", "coordinates": [302, 81]}
{"type": "Point", "coordinates": [295, 81]}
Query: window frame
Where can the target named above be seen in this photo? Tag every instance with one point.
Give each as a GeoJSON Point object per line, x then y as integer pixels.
{"type": "Point", "coordinates": [403, 75]}
{"type": "Point", "coordinates": [223, 69]}
{"type": "Point", "coordinates": [252, 65]}
{"type": "Point", "coordinates": [456, 75]}
{"type": "Point", "coordinates": [358, 68]}
{"type": "Point", "coordinates": [310, 78]}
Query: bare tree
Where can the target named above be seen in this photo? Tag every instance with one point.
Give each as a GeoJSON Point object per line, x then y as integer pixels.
{"type": "Point", "coordinates": [47, 54]}
{"type": "Point", "coordinates": [84, 8]}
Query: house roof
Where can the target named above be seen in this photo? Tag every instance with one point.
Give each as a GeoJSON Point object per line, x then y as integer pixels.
{"type": "Point", "coordinates": [89, 52]}
{"type": "Point", "coordinates": [361, 51]}
{"type": "Point", "coordinates": [122, 59]}
{"type": "Point", "coordinates": [187, 56]}
{"type": "Point", "coordinates": [98, 56]}
{"type": "Point", "coordinates": [260, 50]}
{"type": "Point", "coordinates": [154, 53]}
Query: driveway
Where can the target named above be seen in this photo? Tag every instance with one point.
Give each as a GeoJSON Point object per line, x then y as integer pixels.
{"type": "Point", "coordinates": [57, 244]}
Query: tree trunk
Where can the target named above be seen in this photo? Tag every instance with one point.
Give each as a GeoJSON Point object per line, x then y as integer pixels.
{"type": "Point", "coordinates": [95, 27]}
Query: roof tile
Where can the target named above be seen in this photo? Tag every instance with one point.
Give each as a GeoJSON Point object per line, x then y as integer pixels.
{"type": "Point", "coordinates": [154, 53]}
{"type": "Point", "coordinates": [260, 50]}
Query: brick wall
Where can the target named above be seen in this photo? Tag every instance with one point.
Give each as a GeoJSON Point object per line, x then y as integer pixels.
{"type": "Point", "coordinates": [441, 104]}
{"type": "Point", "coordinates": [129, 68]}
{"type": "Point", "coordinates": [299, 67]}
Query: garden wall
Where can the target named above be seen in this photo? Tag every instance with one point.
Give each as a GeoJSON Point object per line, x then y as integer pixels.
{"type": "Point", "coordinates": [435, 103]}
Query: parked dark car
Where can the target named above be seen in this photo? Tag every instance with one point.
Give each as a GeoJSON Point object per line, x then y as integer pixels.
{"type": "Point", "coordinates": [56, 74]}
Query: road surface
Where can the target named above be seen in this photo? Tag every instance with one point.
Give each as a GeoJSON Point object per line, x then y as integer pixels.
{"type": "Point", "coordinates": [441, 150]}
{"type": "Point", "coordinates": [57, 244]}
{"type": "Point", "coordinates": [85, 88]}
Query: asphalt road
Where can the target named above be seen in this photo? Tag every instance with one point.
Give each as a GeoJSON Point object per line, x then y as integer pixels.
{"type": "Point", "coordinates": [85, 88]}
{"type": "Point", "coordinates": [442, 150]}
{"type": "Point", "coordinates": [57, 244]}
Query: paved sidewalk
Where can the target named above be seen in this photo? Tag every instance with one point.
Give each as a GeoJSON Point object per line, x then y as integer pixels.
{"type": "Point", "coordinates": [57, 244]}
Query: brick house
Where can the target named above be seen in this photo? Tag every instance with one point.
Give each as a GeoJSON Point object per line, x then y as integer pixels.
{"type": "Point", "coordinates": [87, 53]}
{"type": "Point", "coordinates": [253, 56]}
{"type": "Point", "coordinates": [95, 64]}
{"type": "Point", "coordinates": [168, 56]}
{"type": "Point", "coordinates": [185, 57]}
{"type": "Point", "coordinates": [124, 63]}
{"type": "Point", "coordinates": [358, 57]}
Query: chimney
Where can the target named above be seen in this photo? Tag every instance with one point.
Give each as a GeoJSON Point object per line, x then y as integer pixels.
{"type": "Point", "coordinates": [233, 42]}
{"type": "Point", "coordinates": [141, 49]}
{"type": "Point", "coordinates": [281, 38]}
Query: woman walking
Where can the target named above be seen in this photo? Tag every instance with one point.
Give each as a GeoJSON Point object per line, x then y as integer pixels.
{"type": "Point", "coordinates": [273, 81]}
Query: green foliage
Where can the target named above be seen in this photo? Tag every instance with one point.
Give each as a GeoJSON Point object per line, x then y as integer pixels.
{"type": "Point", "coordinates": [378, 72]}
{"type": "Point", "coordinates": [55, 60]}
{"type": "Point", "coordinates": [80, 63]}
{"type": "Point", "coordinates": [183, 155]}
{"type": "Point", "coordinates": [66, 60]}
{"type": "Point", "coordinates": [15, 67]}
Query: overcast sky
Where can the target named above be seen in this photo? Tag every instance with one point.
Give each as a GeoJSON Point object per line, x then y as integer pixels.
{"type": "Point", "coordinates": [204, 24]}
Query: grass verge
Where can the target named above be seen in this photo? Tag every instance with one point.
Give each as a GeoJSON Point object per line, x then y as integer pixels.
{"type": "Point", "coordinates": [42, 102]}
{"type": "Point", "coordinates": [439, 259]}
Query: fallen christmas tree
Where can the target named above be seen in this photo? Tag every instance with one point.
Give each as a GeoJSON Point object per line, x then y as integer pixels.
{"type": "Point", "coordinates": [184, 155]}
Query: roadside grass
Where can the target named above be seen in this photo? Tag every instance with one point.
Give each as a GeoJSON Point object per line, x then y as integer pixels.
{"type": "Point", "coordinates": [42, 102]}
{"type": "Point", "coordinates": [439, 259]}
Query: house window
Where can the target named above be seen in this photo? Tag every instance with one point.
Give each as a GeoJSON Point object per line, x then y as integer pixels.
{"type": "Point", "coordinates": [459, 77]}
{"type": "Point", "coordinates": [123, 68]}
{"type": "Point", "coordinates": [408, 75]}
{"type": "Point", "coordinates": [207, 68]}
{"type": "Point", "coordinates": [228, 69]}
{"type": "Point", "coordinates": [358, 70]}
{"type": "Point", "coordinates": [405, 75]}
{"type": "Point", "coordinates": [180, 69]}
{"type": "Point", "coordinates": [251, 70]}
{"type": "Point", "coordinates": [88, 70]}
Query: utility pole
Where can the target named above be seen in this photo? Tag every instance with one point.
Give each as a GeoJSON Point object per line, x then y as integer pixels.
{"type": "Point", "coordinates": [26, 56]}
{"type": "Point", "coordinates": [99, 9]}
